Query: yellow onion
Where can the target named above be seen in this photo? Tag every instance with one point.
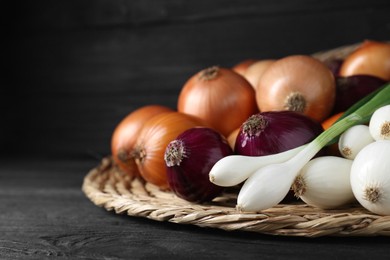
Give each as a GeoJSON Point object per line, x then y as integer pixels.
{"type": "Point", "coordinates": [297, 83]}
{"type": "Point", "coordinates": [254, 72]}
{"type": "Point", "coordinates": [125, 135]}
{"type": "Point", "coordinates": [154, 137]}
{"type": "Point", "coordinates": [219, 96]}
{"type": "Point", "coordinates": [371, 58]}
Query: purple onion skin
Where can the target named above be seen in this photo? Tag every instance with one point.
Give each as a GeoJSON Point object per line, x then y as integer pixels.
{"type": "Point", "coordinates": [351, 89]}
{"type": "Point", "coordinates": [278, 131]}
{"type": "Point", "coordinates": [188, 171]}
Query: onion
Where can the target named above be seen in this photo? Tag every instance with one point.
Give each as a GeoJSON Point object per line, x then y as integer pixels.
{"type": "Point", "coordinates": [154, 137]}
{"type": "Point", "coordinates": [254, 72]}
{"type": "Point", "coordinates": [267, 186]}
{"type": "Point", "coordinates": [371, 58]}
{"type": "Point", "coordinates": [219, 96]}
{"type": "Point", "coordinates": [235, 169]}
{"type": "Point", "coordinates": [297, 83]}
{"type": "Point", "coordinates": [126, 132]}
{"type": "Point", "coordinates": [324, 182]}
{"type": "Point", "coordinates": [350, 90]}
{"type": "Point", "coordinates": [273, 132]}
{"type": "Point", "coordinates": [242, 66]}
{"type": "Point", "coordinates": [379, 124]}
{"type": "Point", "coordinates": [189, 159]}
{"type": "Point", "coordinates": [334, 65]}
{"type": "Point", "coordinates": [232, 137]}
{"type": "Point", "coordinates": [353, 140]}
{"type": "Point", "coordinates": [370, 178]}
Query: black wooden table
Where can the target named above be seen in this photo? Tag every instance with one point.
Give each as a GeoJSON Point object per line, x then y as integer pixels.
{"type": "Point", "coordinates": [75, 68]}
{"type": "Point", "coordinates": [44, 213]}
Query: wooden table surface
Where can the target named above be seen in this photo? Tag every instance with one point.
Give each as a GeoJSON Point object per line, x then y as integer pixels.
{"type": "Point", "coordinates": [75, 68]}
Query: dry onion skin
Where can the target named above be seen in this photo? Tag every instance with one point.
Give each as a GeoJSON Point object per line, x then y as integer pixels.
{"type": "Point", "coordinates": [274, 132]}
{"type": "Point", "coordinates": [351, 89]}
{"type": "Point", "coordinates": [254, 72]}
{"type": "Point", "coordinates": [152, 141]}
{"type": "Point", "coordinates": [125, 134]}
{"type": "Point", "coordinates": [297, 83]}
{"type": "Point", "coordinates": [242, 66]}
{"type": "Point", "coordinates": [232, 137]}
{"type": "Point", "coordinates": [221, 97]}
{"type": "Point", "coordinates": [371, 58]}
{"type": "Point", "coordinates": [189, 159]}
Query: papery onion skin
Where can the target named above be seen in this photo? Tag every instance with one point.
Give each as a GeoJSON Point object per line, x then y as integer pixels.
{"type": "Point", "coordinates": [297, 83]}
{"type": "Point", "coordinates": [350, 90]}
{"type": "Point", "coordinates": [220, 96]}
{"type": "Point", "coordinates": [154, 137]}
{"type": "Point", "coordinates": [242, 66]}
{"type": "Point", "coordinates": [334, 65]}
{"type": "Point", "coordinates": [273, 132]}
{"type": "Point", "coordinates": [232, 137]}
{"type": "Point", "coordinates": [254, 72]}
{"type": "Point", "coordinates": [126, 132]}
{"type": "Point", "coordinates": [371, 58]}
{"type": "Point", "coordinates": [189, 159]}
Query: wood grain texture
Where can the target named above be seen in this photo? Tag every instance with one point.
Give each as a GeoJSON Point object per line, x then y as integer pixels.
{"type": "Point", "coordinates": [78, 67]}
{"type": "Point", "coordinates": [45, 215]}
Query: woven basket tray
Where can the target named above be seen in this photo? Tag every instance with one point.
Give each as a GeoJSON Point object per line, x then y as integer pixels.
{"type": "Point", "coordinates": [107, 186]}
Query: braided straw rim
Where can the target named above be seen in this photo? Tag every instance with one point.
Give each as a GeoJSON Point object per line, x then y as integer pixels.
{"type": "Point", "coordinates": [108, 187]}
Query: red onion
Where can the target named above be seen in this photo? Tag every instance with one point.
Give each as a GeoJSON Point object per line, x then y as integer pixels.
{"type": "Point", "coordinates": [351, 89]}
{"type": "Point", "coordinates": [273, 132]}
{"type": "Point", "coordinates": [189, 159]}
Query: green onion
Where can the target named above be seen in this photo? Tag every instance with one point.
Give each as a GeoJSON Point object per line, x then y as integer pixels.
{"type": "Point", "coordinates": [361, 102]}
{"type": "Point", "coordinates": [359, 113]}
{"type": "Point", "coordinates": [354, 107]}
{"type": "Point", "coordinates": [269, 185]}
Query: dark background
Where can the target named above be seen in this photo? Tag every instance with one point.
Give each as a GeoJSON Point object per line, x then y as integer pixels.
{"type": "Point", "coordinates": [72, 69]}
{"type": "Point", "coordinates": [75, 68]}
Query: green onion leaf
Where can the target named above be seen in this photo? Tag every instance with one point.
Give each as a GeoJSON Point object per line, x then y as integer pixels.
{"type": "Point", "coordinates": [385, 100]}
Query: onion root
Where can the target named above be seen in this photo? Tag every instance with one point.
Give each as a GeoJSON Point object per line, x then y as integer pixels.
{"type": "Point", "coordinates": [372, 194]}
{"type": "Point", "coordinates": [295, 102]}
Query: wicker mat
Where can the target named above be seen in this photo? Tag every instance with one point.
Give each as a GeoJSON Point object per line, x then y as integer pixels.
{"type": "Point", "coordinates": [106, 186]}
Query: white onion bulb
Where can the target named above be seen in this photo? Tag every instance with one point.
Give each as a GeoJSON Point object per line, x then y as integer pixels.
{"type": "Point", "coordinates": [353, 140]}
{"type": "Point", "coordinates": [266, 187]}
{"type": "Point", "coordinates": [235, 169]}
{"type": "Point", "coordinates": [370, 177]}
{"type": "Point", "coordinates": [324, 182]}
{"type": "Point", "coordinates": [380, 123]}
